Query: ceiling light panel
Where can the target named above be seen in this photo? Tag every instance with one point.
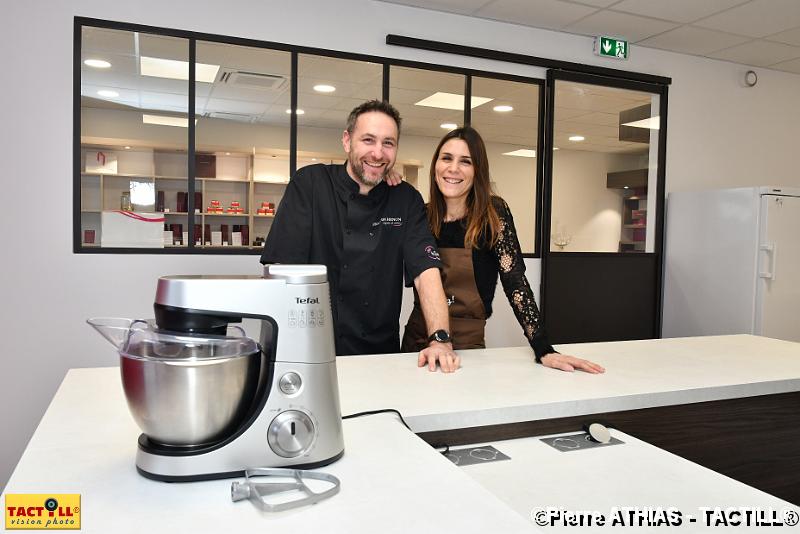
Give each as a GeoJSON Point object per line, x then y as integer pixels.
{"type": "Point", "coordinates": [652, 123]}
{"type": "Point", "coordinates": [97, 63]}
{"type": "Point", "coordinates": [176, 70]}
{"type": "Point", "coordinates": [164, 120]}
{"type": "Point", "coordinates": [451, 101]}
{"type": "Point", "coordinates": [522, 153]}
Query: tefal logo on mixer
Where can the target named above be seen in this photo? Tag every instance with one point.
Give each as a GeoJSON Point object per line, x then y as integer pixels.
{"type": "Point", "coordinates": [309, 300]}
{"type": "Point", "coordinates": [34, 511]}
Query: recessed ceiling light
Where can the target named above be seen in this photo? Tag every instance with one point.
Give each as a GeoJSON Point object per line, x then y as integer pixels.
{"type": "Point", "coordinates": [651, 123]}
{"type": "Point", "coordinates": [108, 93]}
{"type": "Point", "coordinates": [127, 148]}
{"type": "Point", "coordinates": [323, 88]}
{"type": "Point", "coordinates": [97, 63]}
{"type": "Point", "coordinates": [522, 153]}
{"type": "Point", "coordinates": [164, 120]}
{"type": "Point", "coordinates": [313, 159]}
{"type": "Point", "coordinates": [555, 148]}
{"type": "Point", "coordinates": [227, 153]}
{"type": "Point", "coordinates": [576, 138]}
{"type": "Point", "coordinates": [503, 109]}
{"type": "Point", "coordinates": [299, 112]}
{"type": "Point", "coordinates": [451, 101]}
{"type": "Point", "coordinates": [625, 187]}
{"type": "Point", "coordinates": [448, 126]}
{"type": "Point", "coordinates": [176, 70]}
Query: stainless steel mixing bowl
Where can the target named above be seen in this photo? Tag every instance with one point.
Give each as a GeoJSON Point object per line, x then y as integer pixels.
{"type": "Point", "coordinates": [184, 389]}
{"type": "Point", "coordinates": [187, 402]}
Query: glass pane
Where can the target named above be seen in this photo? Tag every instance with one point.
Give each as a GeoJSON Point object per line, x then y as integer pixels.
{"type": "Point", "coordinates": [328, 89]}
{"type": "Point", "coordinates": [509, 125]}
{"type": "Point", "coordinates": [242, 142]}
{"type": "Point", "coordinates": [134, 105]}
{"type": "Point", "coordinates": [604, 167]}
{"type": "Point", "coordinates": [430, 104]}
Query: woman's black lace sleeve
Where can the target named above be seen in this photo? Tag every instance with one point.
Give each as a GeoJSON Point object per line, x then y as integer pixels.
{"type": "Point", "coordinates": [511, 267]}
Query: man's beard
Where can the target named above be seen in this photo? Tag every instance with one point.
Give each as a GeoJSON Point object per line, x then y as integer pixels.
{"type": "Point", "coordinates": [358, 170]}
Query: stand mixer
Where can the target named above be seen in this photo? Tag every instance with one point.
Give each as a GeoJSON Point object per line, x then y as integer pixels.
{"type": "Point", "coordinates": [211, 405]}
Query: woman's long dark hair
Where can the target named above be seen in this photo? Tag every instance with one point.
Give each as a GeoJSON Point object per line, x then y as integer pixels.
{"type": "Point", "coordinates": [481, 216]}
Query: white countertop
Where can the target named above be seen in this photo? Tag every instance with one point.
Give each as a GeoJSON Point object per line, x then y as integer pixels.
{"type": "Point", "coordinates": [496, 386]}
{"type": "Point", "coordinates": [633, 474]}
{"type": "Point", "coordinates": [391, 479]}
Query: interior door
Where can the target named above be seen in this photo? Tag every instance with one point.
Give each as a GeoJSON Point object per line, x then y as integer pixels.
{"type": "Point", "coordinates": [779, 270]}
{"type": "Point", "coordinates": [603, 224]}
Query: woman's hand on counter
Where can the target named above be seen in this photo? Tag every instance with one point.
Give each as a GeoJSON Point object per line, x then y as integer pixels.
{"type": "Point", "coordinates": [565, 362]}
{"type": "Point", "coordinates": [448, 360]}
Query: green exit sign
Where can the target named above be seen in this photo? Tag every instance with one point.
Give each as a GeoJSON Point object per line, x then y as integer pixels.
{"type": "Point", "coordinates": [610, 47]}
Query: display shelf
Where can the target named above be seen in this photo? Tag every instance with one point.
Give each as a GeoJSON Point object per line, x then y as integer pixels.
{"type": "Point", "coordinates": [229, 180]}
{"type": "Point", "coordinates": [225, 214]}
{"type": "Point", "coordinates": [117, 174]}
{"type": "Point", "coordinates": [250, 179]}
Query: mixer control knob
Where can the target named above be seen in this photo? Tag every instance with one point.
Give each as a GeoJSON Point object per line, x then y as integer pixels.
{"type": "Point", "coordinates": [291, 434]}
{"type": "Point", "coordinates": [290, 383]}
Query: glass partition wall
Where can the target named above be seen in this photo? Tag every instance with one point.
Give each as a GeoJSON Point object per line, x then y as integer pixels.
{"type": "Point", "coordinates": [605, 165]}
{"type": "Point", "coordinates": [133, 143]}
{"type": "Point", "coordinates": [186, 145]}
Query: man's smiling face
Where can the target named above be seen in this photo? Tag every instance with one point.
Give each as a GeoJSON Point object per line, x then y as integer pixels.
{"type": "Point", "coordinates": [371, 148]}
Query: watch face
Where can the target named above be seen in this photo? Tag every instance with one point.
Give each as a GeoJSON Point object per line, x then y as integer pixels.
{"type": "Point", "coordinates": [441, 336]}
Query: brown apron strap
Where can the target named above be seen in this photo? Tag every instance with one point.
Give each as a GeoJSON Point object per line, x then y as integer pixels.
{"type": "Point", "coordinates": [467, 313]}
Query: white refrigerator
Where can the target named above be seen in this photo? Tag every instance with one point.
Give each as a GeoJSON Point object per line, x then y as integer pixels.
{"type": "Point", "coordinates": [732, 263]}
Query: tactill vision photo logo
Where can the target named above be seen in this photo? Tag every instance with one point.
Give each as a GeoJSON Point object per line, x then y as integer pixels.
{"type": "Point", "coordinates": [26, 511]}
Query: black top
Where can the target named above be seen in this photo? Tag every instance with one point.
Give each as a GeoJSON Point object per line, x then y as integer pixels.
{"type": "Point", "coordinates": [367, 242]}
{"type": "Point", "coordinates": [505, 259]}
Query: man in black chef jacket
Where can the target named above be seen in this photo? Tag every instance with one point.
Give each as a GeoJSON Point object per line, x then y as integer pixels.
{"type": "Point", "coordinates": [369, 235]}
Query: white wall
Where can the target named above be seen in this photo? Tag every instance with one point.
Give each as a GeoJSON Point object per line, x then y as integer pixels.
{"type": "Point", "coordinates": [720, 133]}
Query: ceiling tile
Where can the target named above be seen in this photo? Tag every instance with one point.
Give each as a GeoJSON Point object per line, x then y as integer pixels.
{"type": "Point", "coordinates": [630, 27]}
{"type": "Point", "coordinates": [453, 6]}
{"type": "Point", "coordinates": [692, 40]}
{"type": "Point", "coordinates": [758, 53]}
{"type": "Point", "coordinates": [757, 18]}
{"type": "Point", "coordinates": [788, 66]}
{"type": "Point", "coordinates": [551, 14]}
{"type": "Point", "coordinates": [676, 10]}
{"type": "Point", "coordinates": [791, 37]}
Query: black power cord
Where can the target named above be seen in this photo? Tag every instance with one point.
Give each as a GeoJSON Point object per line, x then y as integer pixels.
{"type": "Point", "coordinates": [392, 410]}
{"type": "Point", "coordinates": [375, 412]}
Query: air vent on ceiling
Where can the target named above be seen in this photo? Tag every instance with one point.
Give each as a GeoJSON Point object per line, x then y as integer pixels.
{"type": "Point", "coordinates": [238, 117]}
{"type": "Point", "coordinates": [254, 80]}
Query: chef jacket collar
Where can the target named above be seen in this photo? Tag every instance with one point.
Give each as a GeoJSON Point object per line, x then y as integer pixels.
{"type": "Point", "coordinates": [348, 188]}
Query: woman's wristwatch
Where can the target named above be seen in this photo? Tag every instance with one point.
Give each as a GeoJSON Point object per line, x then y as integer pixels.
{"type": "Point", "coordinates": [442, 336]}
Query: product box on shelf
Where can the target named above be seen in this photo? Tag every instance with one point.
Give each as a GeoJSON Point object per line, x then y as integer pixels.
{"type": "Point", "coordinates": [101, 162]}
{"type": "Point", "coordinates": [131, 229]}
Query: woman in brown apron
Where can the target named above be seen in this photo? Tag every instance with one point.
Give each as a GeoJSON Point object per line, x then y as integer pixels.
{"type": "Point", "coordinates": [477, 241]}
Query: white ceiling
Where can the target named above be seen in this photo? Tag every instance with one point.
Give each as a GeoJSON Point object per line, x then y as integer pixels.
{"type": "Point", "coordinates": [759, 33]}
